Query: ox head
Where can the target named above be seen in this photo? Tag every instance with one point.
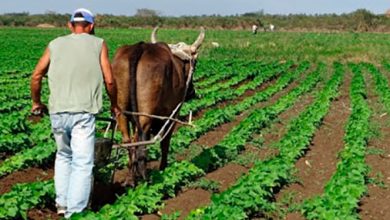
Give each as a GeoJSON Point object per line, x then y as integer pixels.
{"type": "Point", "coordinates": [181, 49]}
{"type": "Point", "coordinates": [188, 54]}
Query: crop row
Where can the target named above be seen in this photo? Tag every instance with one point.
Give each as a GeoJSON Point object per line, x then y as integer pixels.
{"type": "Point", "coordinates": [253, 192]}
{"type": "Point", "coordinates": [178, 171]}
{"type": "Point", "coordinates": [14, 122]}
{"type": "Point", "coordinates": [185, 135]}
{"type": "Point", "coordinates": [13, 77]}
{"type": "Point", "coordinates": [15, 105]}
{"type": "Point", "coordinates": [33, 154]}
{"type": "Point", "coordinates": [225, 151]}
{"type": "Point", "coordinates": [342, 193]}
{"type": "Point", "coordinates": [220, 71]}
{"type": "Point", "coordinates": [237, 78]}
{"type": "Point", "coordinates": [21, 203]}
{"type": "Point", "coordinates": [381, 85]}
{"type": "Point", "coordinates": [216, 96]}
{"type": "Point", "coordinates": [22, 197]}
{"type": "Point", "coordinates": [217, 116]}
{"type": "Point", "coordinates": [26, 136]}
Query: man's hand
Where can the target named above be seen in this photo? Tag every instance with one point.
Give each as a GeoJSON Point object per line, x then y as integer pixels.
{"type": "Point", "coordinates": [38, 108]}
{"type": "Point", "coordinates": [116, 111]}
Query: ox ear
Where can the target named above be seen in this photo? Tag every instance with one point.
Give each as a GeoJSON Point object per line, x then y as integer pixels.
{"type": "Point", "coordinates": [194, 55]}
{"type": "Point", "coordinates": [153, 37]}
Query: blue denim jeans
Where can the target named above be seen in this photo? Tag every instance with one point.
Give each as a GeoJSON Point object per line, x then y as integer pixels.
{"type": "Point", "coordinates": [74, 134]}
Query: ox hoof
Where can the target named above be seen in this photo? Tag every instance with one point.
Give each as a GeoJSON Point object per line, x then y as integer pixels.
{"type": "Point", "coordinates": [128, 183]}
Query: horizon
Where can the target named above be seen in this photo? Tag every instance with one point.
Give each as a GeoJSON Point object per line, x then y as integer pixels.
{"type": "Point", "coordinates": [210, 15]}
{"type": "Point", "coordinates": [177, 8]}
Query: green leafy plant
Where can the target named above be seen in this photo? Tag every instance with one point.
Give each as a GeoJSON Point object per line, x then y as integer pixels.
{"type": "Point", "coordinates": [252, 192]}
{"type": "Point", "coordinates": [347, 185]}
{"type": "Point", "coordinates": [206, 184]}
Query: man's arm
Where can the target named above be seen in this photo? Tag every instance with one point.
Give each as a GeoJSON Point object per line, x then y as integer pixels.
{"type": "Point", "coordinates": [109, 79]}
{"type": "Point", "coordinates": [36, 81]}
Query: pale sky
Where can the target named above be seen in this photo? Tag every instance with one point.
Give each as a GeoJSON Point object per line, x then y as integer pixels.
{"type": "Point", "coordinates": [195, 7]}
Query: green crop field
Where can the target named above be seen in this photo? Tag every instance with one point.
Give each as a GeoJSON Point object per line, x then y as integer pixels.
{"type": "Point", "coordinates": [287, 125]}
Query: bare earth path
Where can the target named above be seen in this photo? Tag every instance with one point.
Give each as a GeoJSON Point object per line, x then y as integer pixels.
{"type": "Point", "coordinates": [226, 176]}
{"type": "Point", "coordinates": [376, 204]}
{"type": "Point", "coordinates": [319, 162]}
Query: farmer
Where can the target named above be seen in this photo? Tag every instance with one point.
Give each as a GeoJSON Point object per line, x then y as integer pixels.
{"type": "Point", "coordinates": [76, 65]}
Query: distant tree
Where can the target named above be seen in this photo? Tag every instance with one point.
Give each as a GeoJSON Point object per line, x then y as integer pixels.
{"type": "Point", "coordinates": [16, 14]}
{"type": "Point", "coordinates": [254, 14]}
{"type": "Point", "coordinates": [365, 20]}
{"type": "Point", "coordinates": [145, 12]}
{"type": "Point", "coordinates": [50, 12]}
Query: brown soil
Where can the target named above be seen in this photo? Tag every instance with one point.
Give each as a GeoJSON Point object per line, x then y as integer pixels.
{"type": "Point", "coordinates": [216, 135]}
{"type": "Point", "coordinates": [319, 163]}
{"type": "Point", "coordinates": [198, 114]}
{"type": "Point", "coordinates": [314, 169]}
{"type": "Point", "coordinates": [238, 99]}
{"type": "Point", "coordinates": [227, 175]}
{"type": "Point", "coordinates": [191, 199]}
{"type": "Point", "coordinates": [375, 205]}
{"type": "Point", "coordinates": [24, 176]}
{"type": "Point", "coordinates": [277, 130]}
{"type": "Point", "coordinates": [102, 194]}
{"type": "Point", "coordinates": [43, 213]}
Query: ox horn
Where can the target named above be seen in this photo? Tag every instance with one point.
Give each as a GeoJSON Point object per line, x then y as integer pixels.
{"type": "Point", "coordinates": [199, 40]}
{"type": "Point", "coordinates": [153, 36]}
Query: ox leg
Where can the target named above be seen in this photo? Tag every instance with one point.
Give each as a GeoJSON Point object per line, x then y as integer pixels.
{"type": "Point", "coordinates": [123, 125]}
{"type": "Point", "coordinates": [142, 157]}
{"type": "Point", "coordinates": [132, 166]}
{"type": "Point", "coordinates": [164, 145]}
{"type": "Point", "coordinates": [131, 178]}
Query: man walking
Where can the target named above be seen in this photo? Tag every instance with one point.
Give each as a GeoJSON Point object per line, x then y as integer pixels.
{"type": "Point", "coordinates": [76, 64]}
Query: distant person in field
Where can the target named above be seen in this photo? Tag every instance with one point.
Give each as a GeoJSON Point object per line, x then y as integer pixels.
{"type": "Point", "coordinates": [77, 65]}
{"type": "Point", "coordinates": [271, 27]}
{"type": "Point", "coordinates": [254, 29]}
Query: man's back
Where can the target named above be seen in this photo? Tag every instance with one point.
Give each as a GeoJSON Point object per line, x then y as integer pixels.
{"type": "Point", "coordinates": [75, 75]}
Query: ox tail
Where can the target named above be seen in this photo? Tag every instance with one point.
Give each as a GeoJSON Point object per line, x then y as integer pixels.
{"type": "Point", "coordinates": [133, 63]}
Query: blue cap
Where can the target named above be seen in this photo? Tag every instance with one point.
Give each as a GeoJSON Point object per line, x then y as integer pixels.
{"type": "Point", "coordinates": [86, 16]}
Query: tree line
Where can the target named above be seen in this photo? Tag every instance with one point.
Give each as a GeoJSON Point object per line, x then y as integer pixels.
{"type": "Point", "coordinates": [360, 20]}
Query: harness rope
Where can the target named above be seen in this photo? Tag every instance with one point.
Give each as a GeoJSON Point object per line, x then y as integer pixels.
{"type": "Point", "coordinates": [160, 136]}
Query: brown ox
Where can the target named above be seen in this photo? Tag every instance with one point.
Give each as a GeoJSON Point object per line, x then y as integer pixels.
{"type": "Point", "coordinates": [161, 72]}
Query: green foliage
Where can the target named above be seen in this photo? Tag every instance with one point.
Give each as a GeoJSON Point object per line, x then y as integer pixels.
{"type": "Point", "coordinates": [145, 17]}
{"type": "Point", "coordinates": [235, 64]}
{"type": "Point", "coordinates": [206, 184]}
{"type": "Point", "coordinates": [252, 192]}
{"type": "Point", "coordinates": [365, 20]}
{"type": "Point", "coordinates": [172, 216]}
{"type": "Point", "coordinates": [146, 198]}
{"type": "Point", "coordinates": [347, 185]}
{"type": "Point", "coordinates": [381, 85]}
{"type": "Point", "coordinates": [378, 180]}
{"type": "Point", "coordinates": [22, 197]}
{"type": "Point", "coordinates": [217, 116]}
{"type": "Point", "coordinates": [178, 174]}
{"type": "Point", "coordinates": [41, 153]}
{"type": "Point", "coordinates": [246, 159]}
